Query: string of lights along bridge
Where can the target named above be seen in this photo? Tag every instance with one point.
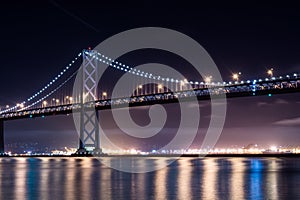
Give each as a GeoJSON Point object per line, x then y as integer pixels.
{"type": "Point", "coordinates": [58, 97]}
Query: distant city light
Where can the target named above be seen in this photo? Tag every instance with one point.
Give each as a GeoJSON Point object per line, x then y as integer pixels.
{"type": "Point", "coordinates": [273, 148]}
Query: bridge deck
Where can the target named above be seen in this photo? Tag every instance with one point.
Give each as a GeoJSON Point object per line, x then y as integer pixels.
{"type": "Point", "coordinates": [231, 91]}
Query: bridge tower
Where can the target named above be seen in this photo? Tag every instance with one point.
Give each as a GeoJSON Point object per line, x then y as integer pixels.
{"type": "Point", "coordinates": [89, 125]}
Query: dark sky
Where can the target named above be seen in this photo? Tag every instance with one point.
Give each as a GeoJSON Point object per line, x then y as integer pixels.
{"type": "Point", "coordinates": [39, 39]}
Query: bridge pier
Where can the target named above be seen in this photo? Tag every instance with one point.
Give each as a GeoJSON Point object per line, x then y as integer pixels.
{"type": "Point", "coordinates": [89, 140]}
{"type": "Point", "coordinates": [1, 137]}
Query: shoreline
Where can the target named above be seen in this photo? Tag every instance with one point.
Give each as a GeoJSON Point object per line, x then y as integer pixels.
{"type": "Point", "coordinates": [275, 155]}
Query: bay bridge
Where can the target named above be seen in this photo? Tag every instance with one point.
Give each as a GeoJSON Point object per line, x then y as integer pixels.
{"type": "Point", "coordinates": [58, 98]}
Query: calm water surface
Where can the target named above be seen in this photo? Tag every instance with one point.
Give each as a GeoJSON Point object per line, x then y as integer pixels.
{"type": "Point", "coordinates": [186, 178]}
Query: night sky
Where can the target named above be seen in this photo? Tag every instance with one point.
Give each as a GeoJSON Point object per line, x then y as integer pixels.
{"type": "Point", "coordinates": [39, 39]}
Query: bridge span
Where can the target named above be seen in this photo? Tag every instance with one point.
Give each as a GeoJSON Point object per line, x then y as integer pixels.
{"type": "Point", "coordinates": [163, 91]}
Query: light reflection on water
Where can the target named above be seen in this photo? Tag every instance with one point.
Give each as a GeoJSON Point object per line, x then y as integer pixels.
{"type": "Point", "coordinates": [186, 178]}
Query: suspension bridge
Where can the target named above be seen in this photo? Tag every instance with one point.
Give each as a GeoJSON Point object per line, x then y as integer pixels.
{"type": "Point", "coordinates": [57, 97]}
